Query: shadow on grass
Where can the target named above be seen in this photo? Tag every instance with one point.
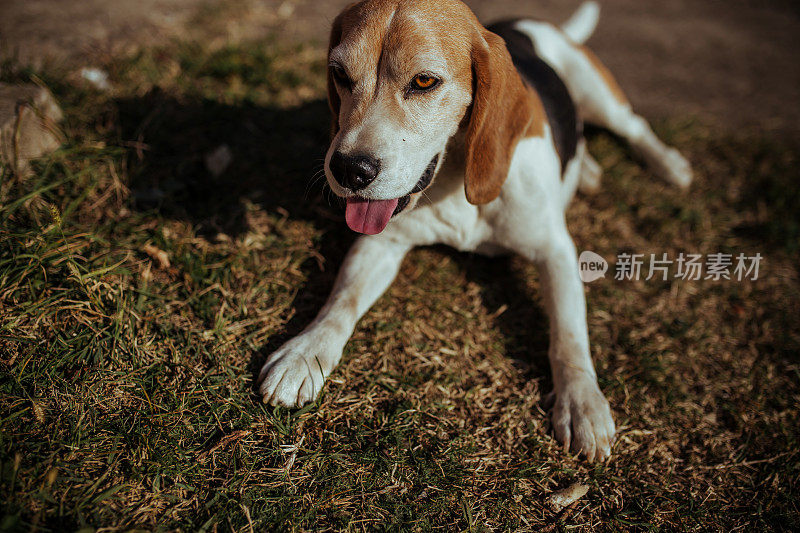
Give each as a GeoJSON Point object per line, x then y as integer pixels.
{"type": "Point", "coordinates": [771, 175]}
{"type": "Point", "coordinates": [275, 153]}
{"type": "Point", "coordinates": [523, 322]}
{"type": "Point", "coordinates": [277, 156]}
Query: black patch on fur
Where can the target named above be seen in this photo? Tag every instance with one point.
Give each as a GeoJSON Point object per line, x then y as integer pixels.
{"type": "Point", "coordinates": [558, 105]}
{"type": "Point", "coordinates": [402, 202]}
{"type": "Point", "coordinates": [427, 175]}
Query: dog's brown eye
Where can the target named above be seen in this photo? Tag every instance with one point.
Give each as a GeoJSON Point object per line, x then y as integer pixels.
{"type": "Point", "coordinates": [422, 83]}
{"type": "Point", "coordinates": [340, 76]}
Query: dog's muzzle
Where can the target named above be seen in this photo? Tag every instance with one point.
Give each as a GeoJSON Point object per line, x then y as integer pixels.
{"type": "Point", "coordinates": [371, 216]}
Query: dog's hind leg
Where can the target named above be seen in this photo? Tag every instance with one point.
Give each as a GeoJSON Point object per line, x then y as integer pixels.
{"type": "Point", "coordinates": [600, 100]}
{"type": "Point", "coordinates": [590, 174]}
{"type": "Point", "coordinates": [582, 172]}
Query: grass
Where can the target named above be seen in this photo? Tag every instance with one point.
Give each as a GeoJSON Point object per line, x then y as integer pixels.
{"type": "Point", "coordinates": [139, 295]}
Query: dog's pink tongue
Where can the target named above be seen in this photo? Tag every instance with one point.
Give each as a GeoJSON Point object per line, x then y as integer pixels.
{"type": "Point", "coordinates": [369, 216]}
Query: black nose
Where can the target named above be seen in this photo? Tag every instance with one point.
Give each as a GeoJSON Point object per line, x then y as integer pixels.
{"type": "Point", "coordinates": [354, 171]}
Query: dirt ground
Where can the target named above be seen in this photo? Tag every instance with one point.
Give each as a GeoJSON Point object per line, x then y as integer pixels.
{"type": "Point", "coordinates": [730, 63]}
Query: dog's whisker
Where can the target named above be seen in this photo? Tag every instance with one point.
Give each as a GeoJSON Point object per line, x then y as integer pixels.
{"type": "Point", "coordinates": [315, 179]}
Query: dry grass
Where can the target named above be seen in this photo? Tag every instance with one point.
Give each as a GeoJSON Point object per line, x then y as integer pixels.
{"type": "Point", "coordinates": [139, 294]}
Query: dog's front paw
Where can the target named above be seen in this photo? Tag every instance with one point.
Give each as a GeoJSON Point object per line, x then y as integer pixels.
{"type": "Point", "coordinates": [582, 419]}
{"type": "Point", "coordinates": [294, 374]}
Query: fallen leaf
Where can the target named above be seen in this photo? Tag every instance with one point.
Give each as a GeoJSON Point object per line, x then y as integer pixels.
{"type": "Point", "coordinates": [558, 501]}
{"type": "Point", "coordinates": [157, 254]}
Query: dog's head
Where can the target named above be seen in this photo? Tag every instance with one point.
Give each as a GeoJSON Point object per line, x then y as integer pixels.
{"type": "Point", "coordinates": [403, 77]}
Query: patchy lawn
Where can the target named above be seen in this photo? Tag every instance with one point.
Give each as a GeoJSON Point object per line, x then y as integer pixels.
{"type": "Point", "coordinates": [139, 294]}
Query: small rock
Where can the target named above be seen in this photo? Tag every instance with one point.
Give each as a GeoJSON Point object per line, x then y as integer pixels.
{"type": "Point", "coordinates": [286, 9]}
{"type": "Point", "coordinates": [219, 160]}
{"type": "Point", "coordinates": [562, 499]}
{"type": "Point", "coordinates": [158, 255]}
{"type": "Point", "coordinates": [28, 124]}
{"type": "Point", "coordinates": [97, 77]}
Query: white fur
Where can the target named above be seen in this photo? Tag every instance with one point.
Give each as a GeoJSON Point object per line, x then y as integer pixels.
{"type": "Point", "coordinates": [527, 218]}
{"type": "Point", "coordinates": [582, 23]}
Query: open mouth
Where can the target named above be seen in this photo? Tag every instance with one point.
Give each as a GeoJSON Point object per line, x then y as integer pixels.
{"type": "Point", "coordinates": [371, 216]}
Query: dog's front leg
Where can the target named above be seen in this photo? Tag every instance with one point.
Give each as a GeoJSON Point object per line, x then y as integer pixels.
{"type": "Point", "coordinates": [295, 373]}
{"type": "Point", "coordinates": [580, 413]}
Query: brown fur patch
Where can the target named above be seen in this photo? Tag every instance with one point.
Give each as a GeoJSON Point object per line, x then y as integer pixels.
{"type": "Point", "coordinates": [364, 43]}
{"type": "Point", "coordinates": [503, 111]}
{"type": "Point", "coordinates": [612, 84]}
{"type": "Point", "coordinates": [334, 102]}
{"type": "Point", "coordinates": [538, 116]}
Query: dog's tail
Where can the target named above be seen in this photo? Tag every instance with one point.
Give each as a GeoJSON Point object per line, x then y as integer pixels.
{"type": "Point", "coordinates": [582, 23]}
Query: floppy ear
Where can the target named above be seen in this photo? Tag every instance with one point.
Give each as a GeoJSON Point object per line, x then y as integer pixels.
{"type": "Point", "coordinates": [333, 97]}
{"type": "Point", "coordinates": [499, 117]}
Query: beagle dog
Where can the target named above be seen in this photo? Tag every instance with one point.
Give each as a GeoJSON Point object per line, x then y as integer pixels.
{"type": "Point", "coordinates": [445, 131]}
